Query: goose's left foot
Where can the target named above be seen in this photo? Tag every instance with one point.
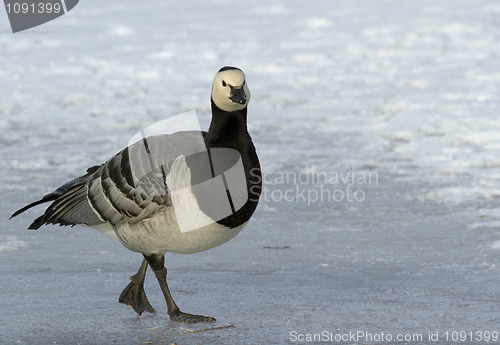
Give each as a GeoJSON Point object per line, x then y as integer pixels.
{"type": "Point", "coordinates": [157, 263]}
{"type": "Point", "coordinates": [189, 318]}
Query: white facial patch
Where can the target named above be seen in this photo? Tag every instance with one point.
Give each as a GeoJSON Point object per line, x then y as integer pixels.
{"type": "Point", "coordinates": [221, 89]}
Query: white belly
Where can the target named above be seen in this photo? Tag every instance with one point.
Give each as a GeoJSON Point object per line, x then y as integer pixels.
{"type": "Point", "coordinates": [161, 233]}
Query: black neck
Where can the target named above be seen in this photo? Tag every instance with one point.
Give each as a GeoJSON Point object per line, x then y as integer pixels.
{"type": "Point", "coordinates": [229, 130]}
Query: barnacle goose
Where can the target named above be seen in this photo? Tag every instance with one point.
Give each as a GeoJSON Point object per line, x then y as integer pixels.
{"type": "Point", "coordinates": [176, 215]}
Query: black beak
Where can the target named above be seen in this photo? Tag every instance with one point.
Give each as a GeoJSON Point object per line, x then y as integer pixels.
{"type": "Point", "coordinates": [238, 96]}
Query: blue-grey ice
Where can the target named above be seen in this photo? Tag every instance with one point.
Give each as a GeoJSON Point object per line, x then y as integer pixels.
{"type": "Point", "coordinates": [377, 125]}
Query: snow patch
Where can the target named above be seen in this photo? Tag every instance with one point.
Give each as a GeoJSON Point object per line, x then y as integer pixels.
{"type": "Point", "coordinates": [459, 28]}
{"type": "Point", "coordinates": [9, 243]}
{"type": "Point", "coordinates": [318, 23]}
{"type": "Point", "coordinates": [120, 30]}
{"type": "Point", "coordinates": [274, 10]}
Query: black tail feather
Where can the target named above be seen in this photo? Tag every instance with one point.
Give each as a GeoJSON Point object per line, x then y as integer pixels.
{"type": "Point", "coordinates": [37, 223]}
{"type": "Point", "coordinates": [46, 198]}
{"type": "Point", "coordinates": [52, 197]}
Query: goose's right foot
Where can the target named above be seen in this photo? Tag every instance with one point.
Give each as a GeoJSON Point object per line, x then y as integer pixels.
{"type": "Point", "coordinates": [134, 295]}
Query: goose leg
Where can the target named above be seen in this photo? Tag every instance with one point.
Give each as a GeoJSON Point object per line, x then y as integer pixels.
{"type": "Point", "coordinates": [157, 263]}
{"type": "Point", "coordinates": [134, 295]}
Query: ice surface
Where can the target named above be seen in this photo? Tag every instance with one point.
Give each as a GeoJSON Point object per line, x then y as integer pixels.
{"type": "Point", "coordinates": [405, 91]}
{"type": "Point", "coordinates": [10, 243]}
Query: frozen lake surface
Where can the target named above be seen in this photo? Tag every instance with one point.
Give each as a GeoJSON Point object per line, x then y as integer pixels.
{"type": "Point", "coordinates": [378, 128]}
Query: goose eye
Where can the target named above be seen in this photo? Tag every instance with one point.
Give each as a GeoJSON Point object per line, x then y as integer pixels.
{"type": "Point", "coordinates": [224, 83]}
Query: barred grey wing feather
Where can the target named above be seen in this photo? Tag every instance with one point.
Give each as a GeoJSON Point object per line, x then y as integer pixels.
{"type": "Point", "coordinates": [114, 192]}
{"type": "Point", "coordinates": [127, 188]}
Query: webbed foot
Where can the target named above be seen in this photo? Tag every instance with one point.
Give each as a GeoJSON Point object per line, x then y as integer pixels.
{"type": "Point", "coordinates": [190, 318]}
{"type": "Point", "coordinates": [134, 295]}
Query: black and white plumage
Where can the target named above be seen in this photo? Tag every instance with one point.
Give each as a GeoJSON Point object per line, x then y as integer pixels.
{"type": "Point", "coordinates": [147, 197]}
